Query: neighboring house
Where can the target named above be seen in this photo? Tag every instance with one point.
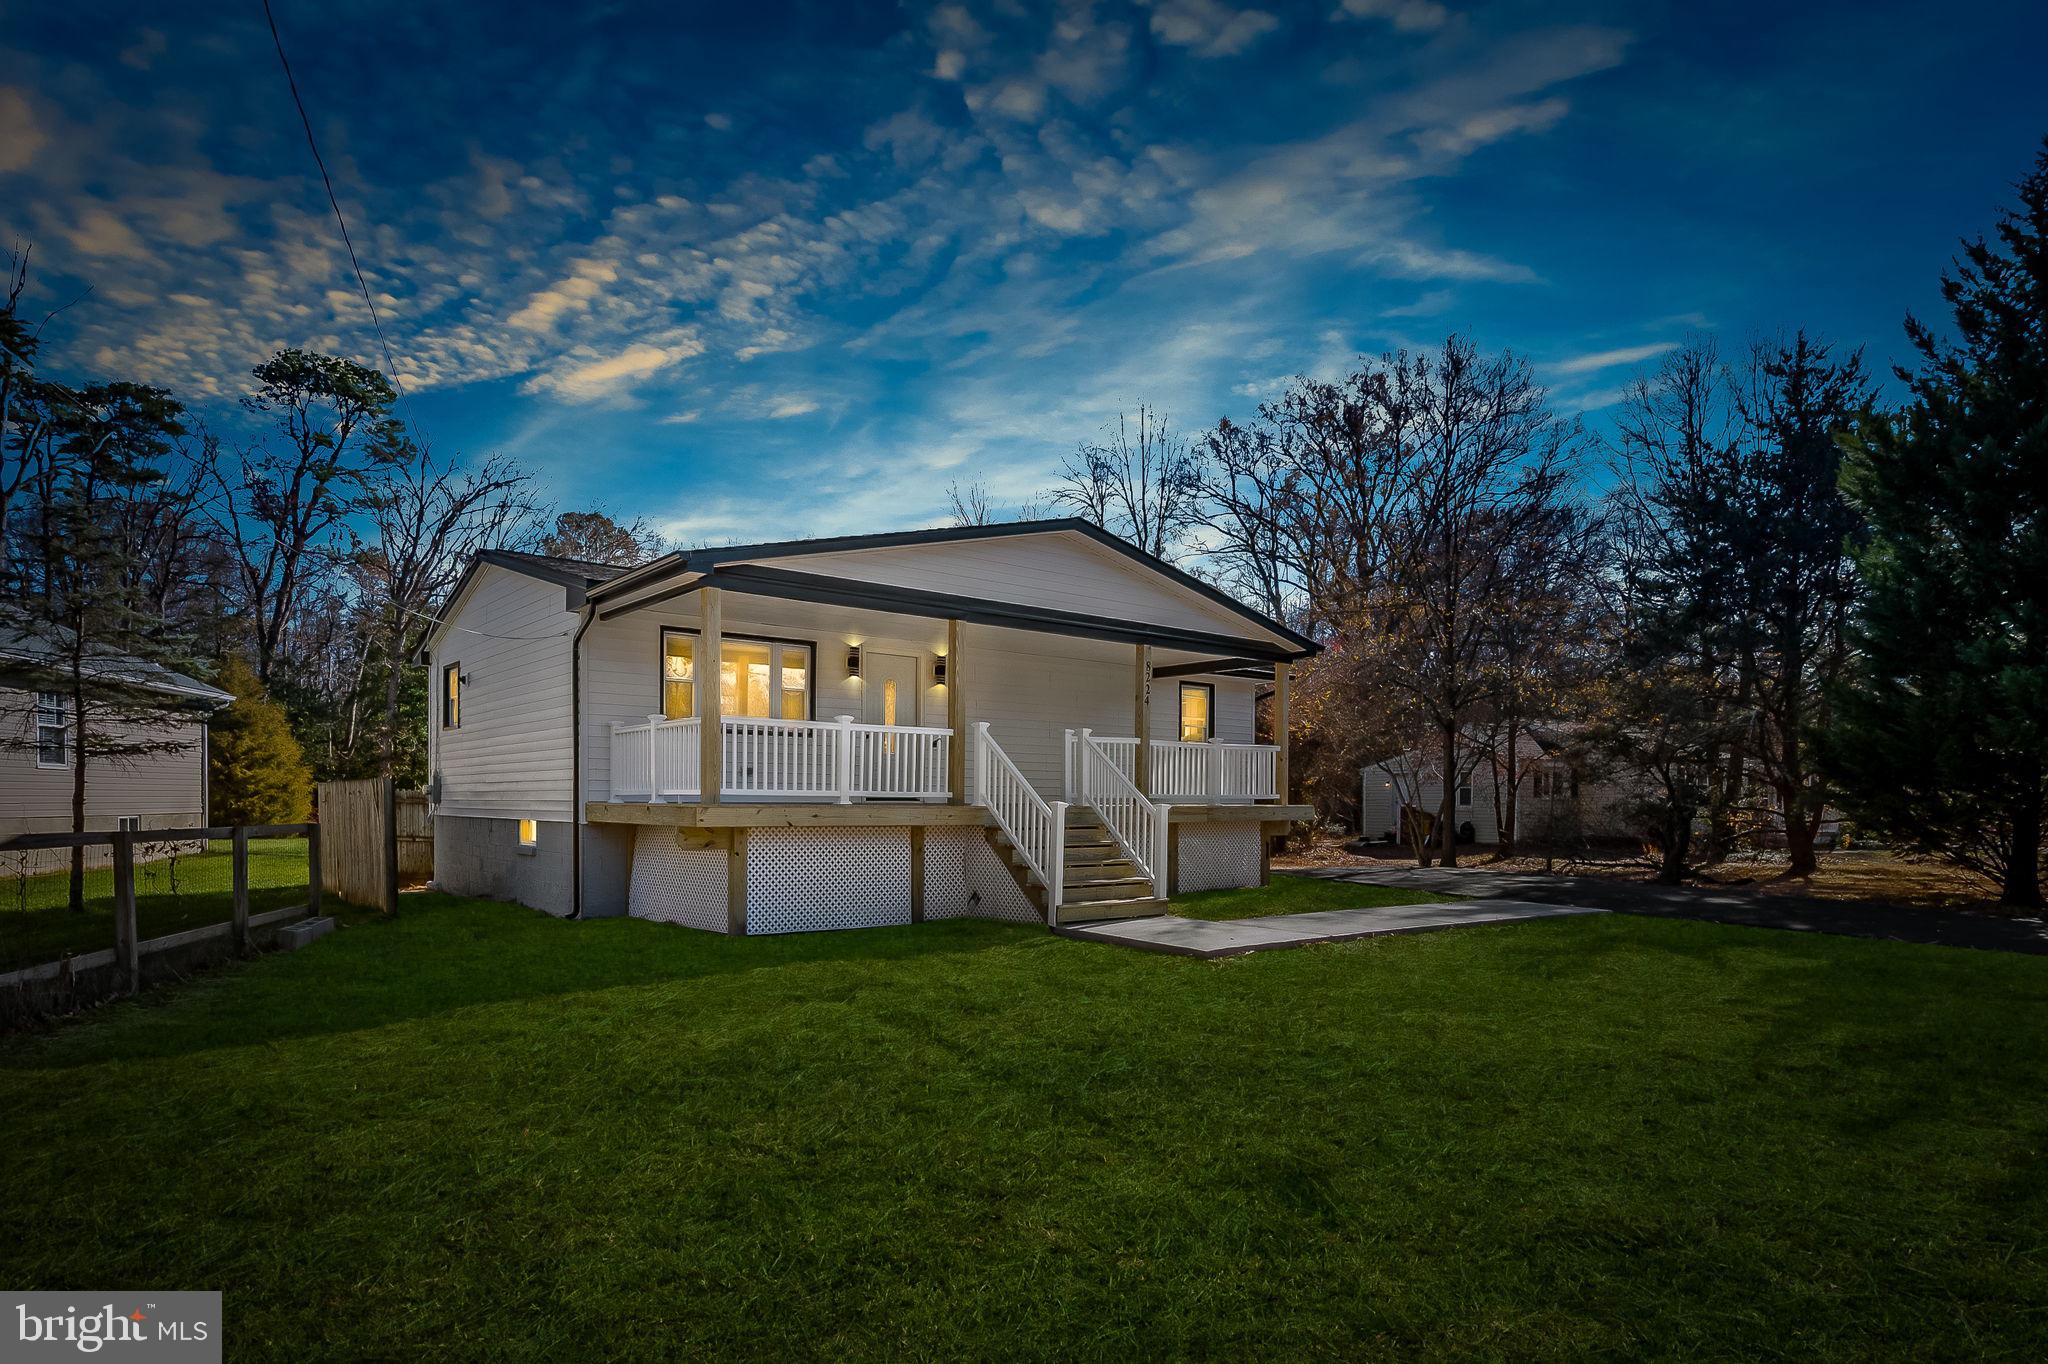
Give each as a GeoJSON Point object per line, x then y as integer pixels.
{"type": "Point", "coordinates": [1558, 799]}
{"type": "Point", "coordinates": [39, 752]}
{"type": "Point", "coordinates": [1033, 720]}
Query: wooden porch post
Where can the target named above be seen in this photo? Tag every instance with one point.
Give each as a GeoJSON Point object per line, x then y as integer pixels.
{"type": "Point", "coordinates": [710, 701]}
{"type": "Point", "coordinates": [1142, 765]}
{"type": "Point", "coordinates": [956, 718]}
{"type": "Point", "coordinates": [1282, 680]}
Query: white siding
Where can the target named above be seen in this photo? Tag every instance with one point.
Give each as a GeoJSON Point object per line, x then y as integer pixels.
{"type": "Point", "coordinates": [1031, 688]}
{"type": "Point", "coordinates": [510, 756]}
{"type": "Point", "coordinates": [165, 790]}
{"type": "Point", "coordinates": [1058, 569]}
{"type": "Point", "coordinates": [1236, 708]}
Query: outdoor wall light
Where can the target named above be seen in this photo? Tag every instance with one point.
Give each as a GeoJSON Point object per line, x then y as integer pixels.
{"type": "Point", "coordinates": [853, 660]}
{"type": "Point", "coordinates": [939, 671]}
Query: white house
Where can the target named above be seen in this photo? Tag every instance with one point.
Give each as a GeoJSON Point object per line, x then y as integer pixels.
{"type": "Point", "coordinates": [164, 789]}
{"type": "Point", "coordinates": [1557, 799]}
{"type": "Point", "coordinates": [1029, 721]}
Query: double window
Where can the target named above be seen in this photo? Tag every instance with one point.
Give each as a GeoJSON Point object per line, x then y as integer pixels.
{"type": "Point", "coordinates": [53, 730]}
{"type": "Point", "coordinates": [1197, 712]}
{"type": "Point", "coordinates": [451, 696]}
{"type": "Point", "coordinates": [763, 678]}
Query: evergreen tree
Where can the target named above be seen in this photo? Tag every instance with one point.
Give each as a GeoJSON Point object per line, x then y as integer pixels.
{"type": "Point", "coordinates": [258, 772]}
{"type": "Point", "coordinates": [1941, 739]}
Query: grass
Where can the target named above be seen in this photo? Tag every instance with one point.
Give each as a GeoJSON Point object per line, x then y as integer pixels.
{"type": "Point", "coordinates": [1295, 895]}
{"type": "Point", "coordinates": [37, 925]}
{"type": "Point", "coordinates": [476, 1132]}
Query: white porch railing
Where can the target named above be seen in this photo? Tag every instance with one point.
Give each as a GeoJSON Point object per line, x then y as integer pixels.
{"type": "Point", "coordinates": [1036, 827]}
{"type": "Point", "coordinates": [783, 760]}
{"type": "Point", "coordinates": [1209, 773]}
{"type": "Point", "coordinates": [1138, 824]}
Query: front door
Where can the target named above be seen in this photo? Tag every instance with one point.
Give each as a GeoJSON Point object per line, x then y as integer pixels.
{"type": "Point", "coordinates": [891, 689]}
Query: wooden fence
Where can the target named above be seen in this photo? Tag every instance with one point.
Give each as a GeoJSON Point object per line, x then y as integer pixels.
{"type": "Point", "coordinates": [127, 954]}
{"type": "Point", "coordinates": [353, 815]}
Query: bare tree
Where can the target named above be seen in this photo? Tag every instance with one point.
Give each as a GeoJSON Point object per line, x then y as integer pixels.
{"type": "Point", "coordinates": [429, 517]}
{"type": "Point", "coordinates": [970, 504]}
{"type": "Point", "coordinates": [1142, 481]}
{"type": "Point", "coordinates": [596, 538]}
{"type": "Point", "coordinates": [282, 510]}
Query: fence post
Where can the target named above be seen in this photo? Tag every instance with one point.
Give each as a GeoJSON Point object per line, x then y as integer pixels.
{"type": "Point", "coordinates": [1056, 864]}
{"type": "Point", "coordinates": [844, 749]}
{"type": "Point", "coordinates": [312, 871]}
{"type": "Point", "coordinates": [1162, 850]}
{"type": "Point", "coordinates": [126, 956]}
{"type": "Point", "coordinates": [653, 733]}
{"type": "Point", "coordinates": [981, 762]}
{"type": "Point", "coordinates": [241, 837]}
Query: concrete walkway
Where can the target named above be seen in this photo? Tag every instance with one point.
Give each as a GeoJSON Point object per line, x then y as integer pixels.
{"type": "Point", "coordinates": [1723, 905]}
{"type": "Point", "coordinates": [1233, 937]}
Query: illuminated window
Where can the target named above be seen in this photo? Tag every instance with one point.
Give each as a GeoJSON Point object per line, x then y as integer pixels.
{"type": "Point", "coordinates": [529, 834]}
{"type": "Point", "coordinates": [451, 696]}
{"type": "Point", "coordinates": [889, 702]}
{"type": "Point", "coordinates": [1197, 712]}
{"type": "Point", "coordinates": [756, 677]}
{"type": "Point", "coordinates": [678, 675]}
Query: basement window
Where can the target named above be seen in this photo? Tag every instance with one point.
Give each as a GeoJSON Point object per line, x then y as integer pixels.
{"type": "Point", "coordinates": [529, 835]}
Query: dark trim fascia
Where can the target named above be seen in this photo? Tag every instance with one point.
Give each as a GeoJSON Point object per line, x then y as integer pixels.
{"type": "Point", "coordinates": [1227, 667]}
{"type": "Point", "coordinates": [700, 560]}
{"type": "Point", "coordinates": [642, 603]}
{"type": "Point", "coordinates": [776, 582]}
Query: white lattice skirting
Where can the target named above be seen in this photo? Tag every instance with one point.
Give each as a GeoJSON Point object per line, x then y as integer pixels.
{"type": "Point", "coordinates": [1217, 856]}
{"type": "Point", "coordinates": [677, 885]}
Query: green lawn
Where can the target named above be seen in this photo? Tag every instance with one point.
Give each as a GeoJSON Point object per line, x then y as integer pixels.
{"type": "Point", "coordinates": [478, 1133]}
{"type": "Point", "coordinates": [171, 894]}
{"type": "Point", "coordinates": [1295, 895]}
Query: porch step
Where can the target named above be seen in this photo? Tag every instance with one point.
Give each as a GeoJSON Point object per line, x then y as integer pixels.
{"type": "Point", "coordinates": [1096, 911]}
{"type": "Point", "coordinates": [1086, 891]}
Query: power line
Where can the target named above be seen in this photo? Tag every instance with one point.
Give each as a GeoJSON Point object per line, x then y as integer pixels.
{"type": "Point", "coordinates": [390, 365]}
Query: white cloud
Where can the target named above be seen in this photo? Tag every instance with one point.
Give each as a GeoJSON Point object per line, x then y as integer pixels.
{"type": "Point", "coordinates": [1409, 16]}
{"type": "Point", "coordinates": [606, 376]}
{"type": "Point", "coordinates": [20, 138]}
{"type": "Point", "coordinates": [1210, 27]}
{"type": "Point", "coordinates": [784, 408]}
{"type": "Point", "coordinates": [1608, 359]}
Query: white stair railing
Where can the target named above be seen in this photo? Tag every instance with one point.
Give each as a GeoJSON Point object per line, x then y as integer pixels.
{"type": "Point", "coordinates": [1036, 828]}
{"type": "Point", "coordinates": [1136, 822]}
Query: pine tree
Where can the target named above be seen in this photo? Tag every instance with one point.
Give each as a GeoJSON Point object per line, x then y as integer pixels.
{"type": "Point", "coordinates": [1942, 736]}
{"type": "Point", "coordinates": [258, 772]}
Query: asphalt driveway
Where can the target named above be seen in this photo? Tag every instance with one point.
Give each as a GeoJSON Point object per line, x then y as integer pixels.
{"type": "Point", "coordinates": [1733, 905]}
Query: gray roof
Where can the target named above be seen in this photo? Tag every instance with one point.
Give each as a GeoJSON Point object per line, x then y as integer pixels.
{"type": "Point", "coordinates": [20, 644]}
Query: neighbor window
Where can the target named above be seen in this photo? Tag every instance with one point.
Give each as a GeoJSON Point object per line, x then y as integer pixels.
{"type": "Point", "coordinates": [52, 730]}
{"type": "Point", "coordinates": [1197, 712]}
{"type": "Point", "coordinates": [451, 696]}
{"type": "Point", "coordinates": [764, 678]}
{"type": "Point", "coordinates": [1465, 793]}
{"type": "Point", "coordinates": [529, 835]}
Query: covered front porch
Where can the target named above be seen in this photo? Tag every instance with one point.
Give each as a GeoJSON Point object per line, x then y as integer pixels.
{"type": "Point", "coordinates": [844, 760]}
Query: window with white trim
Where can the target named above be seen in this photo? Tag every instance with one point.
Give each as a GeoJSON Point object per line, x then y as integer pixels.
{"type": "Point", "coordinates": [764, 678]}
{"type": "Point", "coordinates": [53, 730]}
{"type": "Point", "coordinates": [1465, 794]}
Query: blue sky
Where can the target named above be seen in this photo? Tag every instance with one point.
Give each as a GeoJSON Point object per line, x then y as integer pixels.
{"type": "Point", "coordinates": [755, 271]}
